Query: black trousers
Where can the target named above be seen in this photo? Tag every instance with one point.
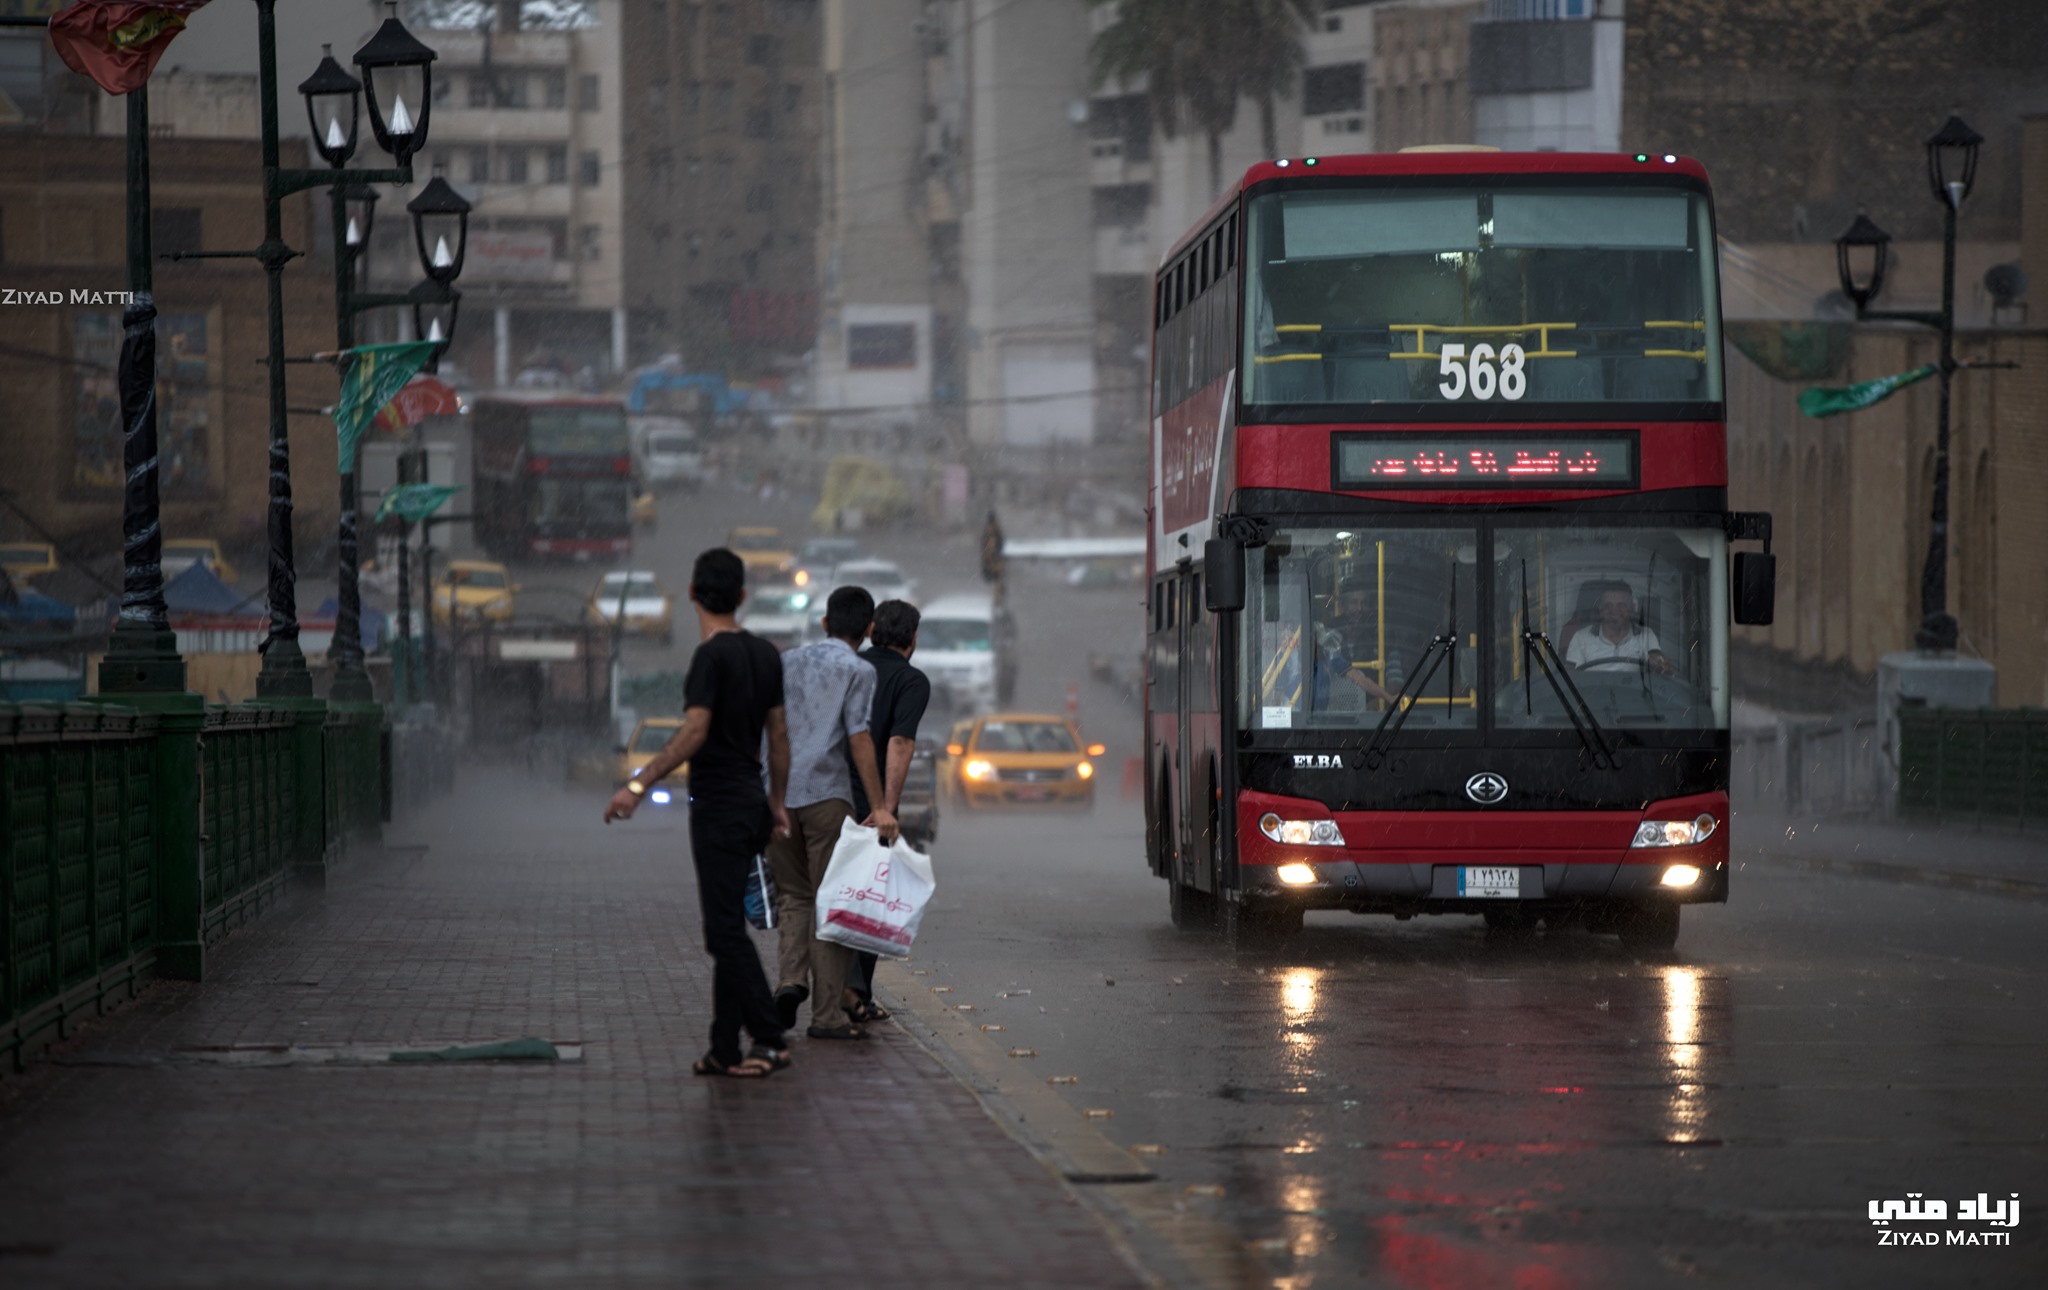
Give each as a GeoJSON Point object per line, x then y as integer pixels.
{"type": "Point", "coordinates": [725, 836]}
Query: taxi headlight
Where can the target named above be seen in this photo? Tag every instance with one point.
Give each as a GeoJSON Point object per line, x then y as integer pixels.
{"type": "Point", "coordinates": [1675, 833]}
{"type": "Point", "coordinates": [1085, 770]}
{"type": "Point", "coordinates": [1301, 833]}
{"type": "Point", "coordinates": [979, 769]}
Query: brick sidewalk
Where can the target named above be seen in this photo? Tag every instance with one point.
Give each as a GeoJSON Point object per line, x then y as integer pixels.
{"type": "Point", "coordinates": [132, 1157]}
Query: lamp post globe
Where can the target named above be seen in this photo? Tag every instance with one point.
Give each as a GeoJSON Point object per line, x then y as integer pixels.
{"type": "Point", "coordinates": [398, 74]}
{"type": "Point", "coordinates": [333, 109]}
{"type": "Point", "coordinates": [440, 225]}
{"type": "Point", "coordinates": [1867, 242]}
{"type": "Point", "coordinates": [1952, 162]}
{"type": "Point", "coordinates": [360, 202]}
{"type": "Point", "coordinates": [435, 306]}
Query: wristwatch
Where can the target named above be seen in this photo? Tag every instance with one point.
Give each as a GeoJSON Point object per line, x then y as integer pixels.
{"type": "Point", "coordinates": [636, 788]}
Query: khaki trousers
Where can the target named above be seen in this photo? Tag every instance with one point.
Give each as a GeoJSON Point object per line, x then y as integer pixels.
{"type": "Point", "coordinates": [798, 863]}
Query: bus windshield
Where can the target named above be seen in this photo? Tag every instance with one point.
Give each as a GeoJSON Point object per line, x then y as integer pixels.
{"type": "Point", "coordinates": [1535, 294]}
{"type": "Point", "coordinates": [1459, 622]}
{"type": "Point", "coordinates": [590, 432]}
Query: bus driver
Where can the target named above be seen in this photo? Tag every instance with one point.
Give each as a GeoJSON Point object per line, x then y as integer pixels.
{"type": "Point", "coordinates": [1616, 637]}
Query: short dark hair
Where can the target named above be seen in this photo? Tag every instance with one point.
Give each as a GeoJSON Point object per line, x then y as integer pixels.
{"type": "Point", "coordinates": [896, 623]}
{"type": "Point", "coordinates": [848, 611]}
{"type": "Point", "coordinates": [718, 581]}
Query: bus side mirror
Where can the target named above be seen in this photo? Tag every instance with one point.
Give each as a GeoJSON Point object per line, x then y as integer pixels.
{"type": "Point", "coordinates": [1755, 588]}
{"type": "Point", "coordinates": [1222, 576]}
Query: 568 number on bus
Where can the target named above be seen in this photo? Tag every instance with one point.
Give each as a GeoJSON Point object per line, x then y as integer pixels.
{"type": "Point", "coordinates": [1477, 373]}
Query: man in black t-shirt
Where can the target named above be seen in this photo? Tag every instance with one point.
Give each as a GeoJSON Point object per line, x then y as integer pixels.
{"type": "Point", "coordinates": [902, 693]}
{"type": "Point", "coordinates": [732, 693]}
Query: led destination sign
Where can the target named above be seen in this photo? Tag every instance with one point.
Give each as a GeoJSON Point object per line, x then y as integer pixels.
{"type": "Point", "coordinates": [1430, 459]}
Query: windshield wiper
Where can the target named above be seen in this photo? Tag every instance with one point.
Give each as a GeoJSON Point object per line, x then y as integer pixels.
{"type": "Point", "coordinates": [1536, 645]}
{"type": "Point", "coordinates": [1425, 668]}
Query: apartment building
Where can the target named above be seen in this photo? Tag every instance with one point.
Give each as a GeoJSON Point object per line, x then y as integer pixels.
{"type": "Point", "coordinates": [720, 162]}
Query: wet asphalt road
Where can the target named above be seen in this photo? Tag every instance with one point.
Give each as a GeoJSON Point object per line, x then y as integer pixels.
{"type": "Point", "coordinates": [1409, 1104]}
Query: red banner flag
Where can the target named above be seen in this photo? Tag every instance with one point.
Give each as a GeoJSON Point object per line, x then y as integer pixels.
{"type": "Point", "coordinates": [117, 42]}
{"type": "Point", "coordinates": [423, 397]}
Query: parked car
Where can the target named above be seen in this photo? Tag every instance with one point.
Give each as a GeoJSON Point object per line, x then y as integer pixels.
{"type": "Point", "coordinates": [784, 616]}
{"type": "Point", "coordinates": [763, 549]}
{"type": "Point", "coordinates": [474, 591]}
{"type": "Point", "coordinates": [649, 738]}
{"type": "Point", "coordinates": [883, 579]}
{"type": "Point", "coordinates": [1021, 759]}
{"type": "Point", "coordinates": [647, 609]}
{"type": "Point", "coordinates": [24, 560]}
{"type": "Point", "coordinates": [181, 554]}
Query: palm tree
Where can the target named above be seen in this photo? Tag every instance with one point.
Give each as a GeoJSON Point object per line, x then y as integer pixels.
{"type": "Point", "coordinates": [1199, 57]}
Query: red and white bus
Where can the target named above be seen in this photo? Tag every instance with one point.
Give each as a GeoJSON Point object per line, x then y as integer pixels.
{"type": "Point", "coordinates": [552, 476]}
{"type": "Point", "coordinates": [1440, 553]}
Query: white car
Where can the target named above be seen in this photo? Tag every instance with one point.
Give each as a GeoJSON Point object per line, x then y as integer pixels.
{"type": "Point", "coordinates": [883, 579]}
{"type": "Point", "coordinates": [670, 452]}
{"type": "Point", "coordinates": [968, 647]}
{"type": "Point", "coordinates": [783, 615]}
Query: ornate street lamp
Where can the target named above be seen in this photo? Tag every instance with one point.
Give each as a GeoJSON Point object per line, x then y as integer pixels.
{"type": "Point", "coordinates": [398, 72]}
{"type": "Point", "coordinates": [1952, 162]}
{"type": "Point", "coordinates": [440, 226]}
{"type": "Point", "coordinates": [1866, 241]}
{"type": "Point", "coordinates": [333, 107]}
{"type": "Point", "coordinates": [359, 203]}
{"type": "Point", "coordinates": [1951, 171]}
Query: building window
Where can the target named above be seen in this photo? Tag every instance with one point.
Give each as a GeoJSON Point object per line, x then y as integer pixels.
{"type": "Point", "coordinates": [592, 168]}
{"type": "Point", "coordinates": [792, 98]}
{"type": "Point", "coordinates": [693, 96]}
{"type": "Point", "coordinates": [1339, 87]}
{"type": "Point", "coordinates": [590, 242]}
{"type": "Point", "coordinates": [554, 88]}
{"type": "Point", "coordinates": [479, 90]}
{"type": "Point", "coordinates": [444, 90]}
{"type": "Point", "coordinates": [479, 165]}
{"type": "Point", "coordinates": [761, 197]}
{"type": "Point", "coordinates": [721, 20]}
{"type": "Point", "coordinates": [174, 229]}
{"type": "Point", "coordinates": [514, 166]}
{"type": "Point", "coordinates": [587, 92]}
{"type": "Point", "coordinates": [512, 90]}
{"type": "Point", "coordinates": [721, 105]}
{"type": "Point", "coordinates": [558, 165]}
{"type": "Point", "coordinates": [760, 123]}
{"type": "Point", "coordinates": [881, 345]}
{"type": "Point", "coordinates": [761, 50]}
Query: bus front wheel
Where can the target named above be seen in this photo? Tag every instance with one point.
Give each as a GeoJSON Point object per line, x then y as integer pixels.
{"type": "Point", "coordinates": [1190, 908]}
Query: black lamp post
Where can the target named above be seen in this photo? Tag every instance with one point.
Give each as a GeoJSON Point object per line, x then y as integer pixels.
{"type": "Point", "coordinates": [1951, 171]}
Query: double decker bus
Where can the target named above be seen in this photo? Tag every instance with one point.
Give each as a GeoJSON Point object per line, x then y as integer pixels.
{"type": "Point", "coordinates": [1440, 554]}
{"type": "Point", "coordinates": [552, 477]}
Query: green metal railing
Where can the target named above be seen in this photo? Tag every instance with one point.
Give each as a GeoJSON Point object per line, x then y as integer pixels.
{"type": "Point", "coordinates": [1982, 765]}
{"type": "Point", "coordinates": [78, 853]}
{"type": "Point", "coordinates": [249, 816]}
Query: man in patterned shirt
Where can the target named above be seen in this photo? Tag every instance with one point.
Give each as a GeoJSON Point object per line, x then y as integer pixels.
{"type": "Point", "coordinates": [828, 692]}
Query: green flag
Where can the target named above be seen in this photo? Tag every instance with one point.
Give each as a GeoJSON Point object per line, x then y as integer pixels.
{"type": "Point", "coordinates": [414, 502]}
{"type": "Point", "coordinates": [1824, 401]}
{"type": "Point", "coordinates": [378, 372]}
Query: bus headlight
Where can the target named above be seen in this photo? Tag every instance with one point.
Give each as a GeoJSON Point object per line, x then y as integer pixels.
{"type": "Point", "coordinates": [1301, 833]}
{"type": "Point", "coordinates": [1675, 833]}
{"type": "Point", "coordinates": [979, 769]}
{"type": "Point", "coordinates": [1295, 875]}
{"type": "Point", "coordinates": [1681, 875]}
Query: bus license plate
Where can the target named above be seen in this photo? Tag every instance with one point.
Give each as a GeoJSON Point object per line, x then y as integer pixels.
{"type": "Point", "coordinates": [1494, 883]}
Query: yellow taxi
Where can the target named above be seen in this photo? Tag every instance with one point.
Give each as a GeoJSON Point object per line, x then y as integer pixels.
{"type": "Point", "coordinates": [474, 591]}
{"type": "Point", "coordinates": [763, 549]}
{"type": "Point", "coordinates": [649, 738]}
{"type": "Point", "coordinates": [634, 599]}
{"type": "Point", "coordinates": [181, 554]}
{"type": "Point", "coordinates": [1020, 759]}
{"type": "Point", "coordinates": [25, 560]}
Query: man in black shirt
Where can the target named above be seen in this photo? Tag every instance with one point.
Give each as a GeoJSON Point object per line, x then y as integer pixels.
{"type": "Point", "coordinates": [732, 692]}
{"type": "Point", "coordinates": [902, 693]}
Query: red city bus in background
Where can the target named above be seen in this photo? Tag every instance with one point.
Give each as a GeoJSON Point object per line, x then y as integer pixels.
{"type": "Point", "coordinates": [1440, 553]}
{"type": "Point", "coordinates": [552, 477]}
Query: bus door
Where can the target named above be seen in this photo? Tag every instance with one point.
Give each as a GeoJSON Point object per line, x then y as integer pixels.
{"type": "Point", "coordinates": [1196, 804]}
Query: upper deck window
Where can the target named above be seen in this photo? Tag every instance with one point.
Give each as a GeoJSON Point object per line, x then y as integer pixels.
{"type": "Point", "coordinates": [1526, 295]}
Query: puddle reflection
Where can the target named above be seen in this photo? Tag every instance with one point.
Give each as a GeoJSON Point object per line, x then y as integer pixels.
{"type": "Point", "coordinates": [1684, 1053]}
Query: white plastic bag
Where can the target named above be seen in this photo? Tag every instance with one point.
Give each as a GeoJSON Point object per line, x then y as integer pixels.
{"type": "Point", "coordinates": [873, 896]}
